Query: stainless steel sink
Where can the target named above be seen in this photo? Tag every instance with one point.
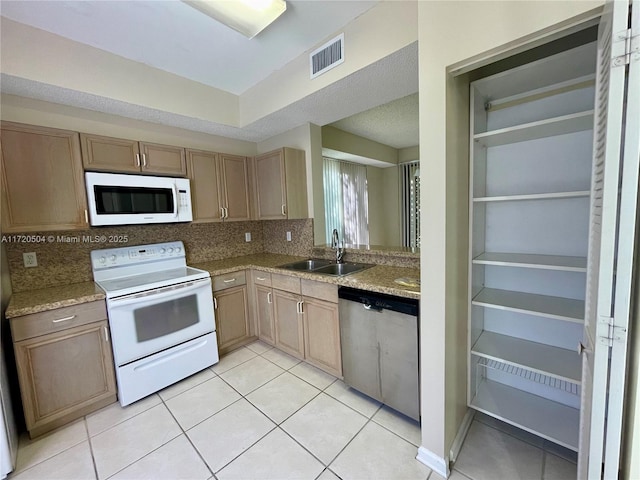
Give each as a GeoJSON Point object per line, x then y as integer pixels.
{"type": "Point", "coordinates": [326, 267]}
{"type": "Point", "coordinates": [307, 265]}
{"type": "Point", "coordinates": [339, 269]}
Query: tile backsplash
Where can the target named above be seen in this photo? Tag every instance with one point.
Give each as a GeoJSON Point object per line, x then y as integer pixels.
{"type": "Point", "coordinates": [275, 237]}
{"type": "Point", "coordinates": [64, 258]}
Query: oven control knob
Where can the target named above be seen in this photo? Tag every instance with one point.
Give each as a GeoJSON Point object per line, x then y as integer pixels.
{"type": "Point", "coordinates": [178, 249]}
{"type": "Point", "coordinates": [113, 258]}
{"type": "Point", "coordinates": [163, 250]}
{"type": "Point", "coordinates": [170, 250]}
{"type": "Point", "coordinates": [103, 259]}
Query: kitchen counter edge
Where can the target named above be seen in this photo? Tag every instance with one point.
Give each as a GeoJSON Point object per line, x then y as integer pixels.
{"type": "Point", "coordinates": [379, 278]}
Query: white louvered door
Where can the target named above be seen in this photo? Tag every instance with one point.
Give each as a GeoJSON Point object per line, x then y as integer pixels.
{"type": "Point", "coordinates": [626, 256]}
{"type": "Point", "coordinates": [598, 394]}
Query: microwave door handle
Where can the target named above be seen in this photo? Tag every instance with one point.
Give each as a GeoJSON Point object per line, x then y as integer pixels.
{"type": "Point", "coordinates": [176, 199]}
{"type": "Point", "coordinates": [164, 293]}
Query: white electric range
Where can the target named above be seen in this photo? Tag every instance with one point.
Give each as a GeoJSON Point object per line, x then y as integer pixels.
{"type": "Point", "coordinates": [161, 316]}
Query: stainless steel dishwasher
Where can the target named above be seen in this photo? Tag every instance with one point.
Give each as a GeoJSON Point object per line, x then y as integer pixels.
{"type": "Point", "coordinates": [379, 336]}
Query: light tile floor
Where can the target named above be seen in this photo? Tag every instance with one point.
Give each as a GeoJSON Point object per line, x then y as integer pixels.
{"type": "Point", "coordinates": [262, 414]}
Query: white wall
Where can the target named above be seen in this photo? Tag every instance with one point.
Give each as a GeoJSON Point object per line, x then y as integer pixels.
{"type": "Point", "coordinates": [449, 33]}
{"type": "Point", "coordinates": [379, 32]}
{"type": "Point", "coordinates": [37, 112]}
{"type": "Point", "coordinates": [41, 56]}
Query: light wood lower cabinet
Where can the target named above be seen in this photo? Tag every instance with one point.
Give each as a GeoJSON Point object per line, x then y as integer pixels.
{"type": "Point", "coordinates": [322, 335]}
{"type": "Point", "coordinates": [264, 314]}
{"type": "Point", "coordinates": [288, 323]}
{"type": "Point", "coordinates": [66, 374]}
{"type": "Point", "coordinates": [231, 311]}
{"type": "Point", "coordinates": [307, 325]}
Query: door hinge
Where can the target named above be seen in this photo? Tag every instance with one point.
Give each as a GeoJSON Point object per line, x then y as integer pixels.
{"type": "Point", "coordinates": [631, 48]}
{"type": "Point", "coordinates": [609, 332]}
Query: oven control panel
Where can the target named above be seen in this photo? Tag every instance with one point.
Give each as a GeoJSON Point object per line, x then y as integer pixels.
{"type": "Point", "coordinates": [127, 256]}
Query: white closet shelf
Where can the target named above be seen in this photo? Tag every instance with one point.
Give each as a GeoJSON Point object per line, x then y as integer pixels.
{"type": "Point", "coordinates": [527, 260]}
{"type": "Point", "coordinates": [541, 305]}
{"type": "Point", "coordinates": [545, 418]}
{"type": "Point", "coordinates": [575, 122]}
{"type": "Point", "coordinates": [534, 196]}
{"type": "Point", "coordinates": [537, 357]}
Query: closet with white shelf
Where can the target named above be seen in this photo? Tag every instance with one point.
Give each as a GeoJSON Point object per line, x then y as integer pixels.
{"type": "Point", "coordinates": [531, 154]}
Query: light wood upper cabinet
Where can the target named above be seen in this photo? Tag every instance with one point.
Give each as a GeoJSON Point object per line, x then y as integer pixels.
{"type": "Point", "coordinates": [219, 186]}
{"type": "Point", "coordinates": [281, 184]}
{"type": "Point", "coordinates": [120, 155]}
{"type": "Point", "coordinates": [203, 171]}
{"type": "Point", "coordinates": [64, 372]}
{"type": "Point", "coordinates": [110, 154]}
{"type": "Point", "coordinates": [163, 159]}
{"type": "Point", "coordinates": [42, 179]}
{"type": "Point", "coordinates": [235, 185]}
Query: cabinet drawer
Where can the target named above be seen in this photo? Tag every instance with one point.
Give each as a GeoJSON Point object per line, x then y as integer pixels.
{"type": "Point", "coordinates": [228, 280]}
{"type": "Point", "coordinates": [285, 282]}
{"type": "Point", "coordinates": [321, 290]}
{"type": "Point", "coordinates": [36, 324]}
{"type": "Point", "coordinates": [261, 278]}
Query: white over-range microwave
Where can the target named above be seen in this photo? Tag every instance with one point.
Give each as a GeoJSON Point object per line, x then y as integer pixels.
{"type": "Point", "coordinates": [117, 199]}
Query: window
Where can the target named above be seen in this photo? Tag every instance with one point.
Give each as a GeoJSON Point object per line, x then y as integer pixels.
{"type": "Point", "coordinates": [346, 201]}
{"type": "Point", "coordinates": [410, 203]}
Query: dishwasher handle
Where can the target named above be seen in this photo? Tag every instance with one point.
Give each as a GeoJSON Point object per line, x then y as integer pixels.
{"type": "Point", "coordinates": [372, 308]}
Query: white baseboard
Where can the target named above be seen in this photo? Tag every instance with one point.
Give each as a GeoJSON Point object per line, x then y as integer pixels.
{"type": "Point", "coordinates": [434, 462]}
{"type": "Point", "coordinates": [461, 435]}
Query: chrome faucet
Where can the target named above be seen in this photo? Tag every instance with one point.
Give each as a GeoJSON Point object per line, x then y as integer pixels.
{"type": "Point", "coordinates": [335, 243]}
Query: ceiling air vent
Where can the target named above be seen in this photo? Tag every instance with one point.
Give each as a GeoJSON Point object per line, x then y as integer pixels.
{"type": "Point", "coordinates": [329, 55]}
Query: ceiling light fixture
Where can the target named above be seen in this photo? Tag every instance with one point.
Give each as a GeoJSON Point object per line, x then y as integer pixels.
{"type": "Point", "coordinates": [249, 17]}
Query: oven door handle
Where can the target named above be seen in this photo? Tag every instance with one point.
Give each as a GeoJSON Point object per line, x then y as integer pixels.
{"type": "Point", "coordinates": [164, 293]}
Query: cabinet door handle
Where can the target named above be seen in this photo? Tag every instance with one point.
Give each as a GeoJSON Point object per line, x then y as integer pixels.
{"type": "Point", "coordinates": [221, 212]}
{"type": "Point", "coordinates": [137, 159]}
{"type": "Point", "coordinates": [284, 213]}
{"type": "Point", "coordinates": [262, 279]}
{"type": "Point", "coordinates": [86, 216]}
{"type": "Point", "coordinates": [269, 301]}
{"type": "Point", "coordinates": [63, 319]}
{"type": "Point", "coordinates": [144, 160]}
{"type": "Point", "coordinates": [215, 303]}
{"type": "Point", "coordinates": [231, 280]}
{"type": "Point", "coordinates": [226, 212]}
{"type": "Point", "coordinates": [106, 334]}
{"type": "Point", "coordinates": [299, 307]}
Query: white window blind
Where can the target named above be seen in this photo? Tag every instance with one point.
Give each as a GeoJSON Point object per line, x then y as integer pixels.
{"type": "Point", "coordinates": [346, 201]}
{"type": "Point", "coordinates": [410, 203]}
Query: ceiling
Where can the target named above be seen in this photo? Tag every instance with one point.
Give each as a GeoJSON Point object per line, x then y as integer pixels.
{"type": "Point", "coordinates": [394, 124]}
{"type": "Point", "coordinates": [174, 37]}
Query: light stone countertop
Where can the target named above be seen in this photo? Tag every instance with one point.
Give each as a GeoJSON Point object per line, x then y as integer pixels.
{"type": "Point", "coordinates": [380, 278]}
{"type": "Point", "coordinates": [35, 301]}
